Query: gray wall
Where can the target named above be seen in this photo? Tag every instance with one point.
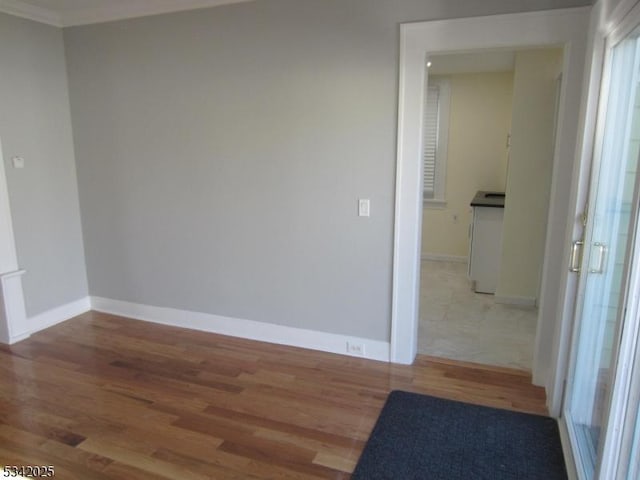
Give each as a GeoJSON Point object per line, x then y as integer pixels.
{"type": "Point", "coordinates": [221, 153]}
{"type": "Point", "coordinates": [35, 123]}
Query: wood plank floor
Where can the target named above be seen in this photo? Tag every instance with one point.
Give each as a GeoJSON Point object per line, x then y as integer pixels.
{"type": "Point", "coordinates": [105, 397]}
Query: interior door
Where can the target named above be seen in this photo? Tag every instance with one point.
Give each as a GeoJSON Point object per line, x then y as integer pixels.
{"type": "Point", "coordinates": [605, 268]}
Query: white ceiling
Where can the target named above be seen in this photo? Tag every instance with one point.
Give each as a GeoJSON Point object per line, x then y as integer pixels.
{"type": "Point", "coordinates": [65, 13]}
{"type": "Point", "coordinates": [473, 62]}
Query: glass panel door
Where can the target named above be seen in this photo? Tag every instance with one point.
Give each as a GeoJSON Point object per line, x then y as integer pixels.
{"type": "Point", "coordinates": [604, 268]}
{"type": "Point", "coordinates": [629, 463]}
{"type": "Point", "coordinates": [634, 456]}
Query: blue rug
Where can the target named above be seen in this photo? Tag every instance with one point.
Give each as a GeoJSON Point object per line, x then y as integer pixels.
{"type": "Point", "coordinates": [427, 438]}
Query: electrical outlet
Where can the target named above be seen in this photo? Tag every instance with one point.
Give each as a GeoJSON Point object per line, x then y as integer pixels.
{"type": "Point", "coordinates": [364, 207]}
{"type": "Point", "coordinates": [355, 349]}
{"type": "Point", "coordinates": [18, 162]}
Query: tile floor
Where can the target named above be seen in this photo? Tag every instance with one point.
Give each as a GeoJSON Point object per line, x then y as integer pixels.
{"type": "Point", "coordinates": [457, 323]}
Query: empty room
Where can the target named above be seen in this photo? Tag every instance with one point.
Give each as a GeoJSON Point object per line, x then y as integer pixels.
{"type": "Point", "coordinates": [213, 221]}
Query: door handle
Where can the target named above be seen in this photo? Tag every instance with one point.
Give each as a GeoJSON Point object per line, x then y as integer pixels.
{"type": "Point", "coordinates": [576, 256]}
{"type": "Point", "coordinates": [602, 248]}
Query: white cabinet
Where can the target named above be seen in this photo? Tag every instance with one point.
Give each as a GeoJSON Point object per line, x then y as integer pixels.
{"type": "Point", "coordinates": [485, 246]}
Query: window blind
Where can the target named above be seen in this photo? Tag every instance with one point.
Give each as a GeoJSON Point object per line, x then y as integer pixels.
{"type": "Point", "coordinates": [430, 141]}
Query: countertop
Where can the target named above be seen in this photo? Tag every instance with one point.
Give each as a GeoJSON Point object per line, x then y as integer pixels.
{"type": "Point", "coordinates": [488, 199]}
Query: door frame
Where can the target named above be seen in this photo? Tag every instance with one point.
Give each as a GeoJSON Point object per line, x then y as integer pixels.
{"type": "Point", "coordinates": [13, 318]}
{"type": "Point", "coordinates": [624, 390]}
{"type": "Point", "coordinates": [566, 28]}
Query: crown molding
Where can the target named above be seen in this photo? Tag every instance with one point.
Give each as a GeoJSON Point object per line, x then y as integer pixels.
{"type": "Point", "coordinates": [23, 9]}
{"type": "Point", "coordinates": [136, 9]}
{"type": "Point", "coordinates": [86, 16]}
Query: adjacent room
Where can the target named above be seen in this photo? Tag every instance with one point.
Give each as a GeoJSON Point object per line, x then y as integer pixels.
{"type": "Point", "coordinates": [487, 185]}
{"type": "Point", "coordinates": [218, 260]}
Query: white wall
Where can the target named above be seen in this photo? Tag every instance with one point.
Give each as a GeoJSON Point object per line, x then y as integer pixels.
{"type": "Point", "coordinates": [529, 173]}
{"type": "Point", "coordinates": [480, 119]}
{"type": "Point", "coordinates": [35, 124]}
{"type": "Point", "coordinates": [615, 8]}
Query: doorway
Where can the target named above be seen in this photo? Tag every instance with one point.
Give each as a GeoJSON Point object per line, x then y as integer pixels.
{"type": "Point", "coordinates": [564, 28]}
{"type": "Point", "coordinates": [482, 253]}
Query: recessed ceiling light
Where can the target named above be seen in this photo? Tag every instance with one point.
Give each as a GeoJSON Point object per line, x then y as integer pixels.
{"type": "Point", "coordinates": [428, 64]}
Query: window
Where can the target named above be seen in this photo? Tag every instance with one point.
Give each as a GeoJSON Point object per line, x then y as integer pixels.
{"type": "Point", "coordinates": [436, 136]}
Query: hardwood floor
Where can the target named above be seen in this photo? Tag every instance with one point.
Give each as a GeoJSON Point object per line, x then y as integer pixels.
{"type": "Point", "coordinates": [104, 397]}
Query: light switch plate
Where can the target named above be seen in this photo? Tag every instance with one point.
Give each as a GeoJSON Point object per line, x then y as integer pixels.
{"type": "Point", "coordinates": [17, 162]}
{"type": "Point", "coordinates": [364, 207]}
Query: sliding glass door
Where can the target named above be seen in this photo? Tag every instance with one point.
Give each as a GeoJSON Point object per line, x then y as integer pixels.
{"type": "Point", "coordinates": [590, 401]}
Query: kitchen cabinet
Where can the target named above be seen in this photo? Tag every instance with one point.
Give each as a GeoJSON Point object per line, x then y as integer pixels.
{"type": "Point", "coordinates": [485, 245]}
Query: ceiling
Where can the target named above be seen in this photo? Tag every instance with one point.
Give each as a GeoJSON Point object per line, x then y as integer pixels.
{"type": "Point", "coordinates": [65, 13]}
{"type": "Point", "coordinates": [473, 62]}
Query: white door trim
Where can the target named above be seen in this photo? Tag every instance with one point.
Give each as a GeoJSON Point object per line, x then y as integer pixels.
{"type": "Point", "coordinates": [567, 28]}
{"type": "Point", "coordinates": [13, 318]}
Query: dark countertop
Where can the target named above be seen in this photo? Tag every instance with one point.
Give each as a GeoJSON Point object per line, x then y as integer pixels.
{"type": "Point", "coordinates": [488, 199]}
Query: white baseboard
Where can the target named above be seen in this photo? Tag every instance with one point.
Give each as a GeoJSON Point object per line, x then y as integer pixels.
{"type": "Point", "coordinates": [441, 257]}
{"type": "Point", "coordinates": [59, 314]}
{"type": "Point", "coordinates": [13, 316]}
{"type": "Point", "coordinates": [515, 300]}
{"type": "Point", "coordinates": [16, 338]}
{"type": "Point", "coordinates": [249, 329]}
{"type": "Point", "coordinates": [539, 378]}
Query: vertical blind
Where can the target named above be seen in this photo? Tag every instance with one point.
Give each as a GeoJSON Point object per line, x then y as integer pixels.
{"type": "Point", "coordinates": [430, 149]}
